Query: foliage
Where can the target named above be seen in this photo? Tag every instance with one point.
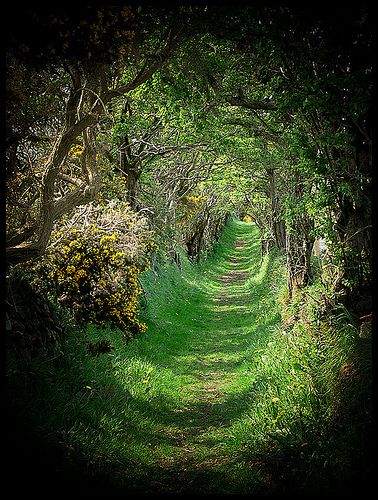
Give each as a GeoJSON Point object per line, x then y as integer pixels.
{"type": "Point", "coordinates": [92, 265]}
{"type": "Point", "coordinates": [301, 404]}
{"type": "Point", "coordinates": [84, 87]}
{"type": "Point", "coordinates": [130, 125]}
{"type": "Point", "coordinates": [285, 133]}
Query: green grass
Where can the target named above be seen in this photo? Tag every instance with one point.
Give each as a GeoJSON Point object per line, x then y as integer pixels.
{"type": "Point", "coordinates": [210, 398]}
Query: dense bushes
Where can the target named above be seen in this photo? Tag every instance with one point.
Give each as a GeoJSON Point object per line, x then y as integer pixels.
{"type": "Point", "coordinates": [92, 266]}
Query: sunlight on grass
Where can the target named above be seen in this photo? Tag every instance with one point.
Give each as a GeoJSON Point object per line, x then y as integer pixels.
{"type": "Point", "coordinates": [214, 380]}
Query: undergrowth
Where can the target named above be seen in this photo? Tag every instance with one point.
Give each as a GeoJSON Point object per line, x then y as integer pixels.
{"type": "Point", "coordinates": [294, 410]}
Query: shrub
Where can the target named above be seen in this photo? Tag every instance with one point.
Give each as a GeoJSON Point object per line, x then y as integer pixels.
{"type": "Point", "coordinates": [93, 262]}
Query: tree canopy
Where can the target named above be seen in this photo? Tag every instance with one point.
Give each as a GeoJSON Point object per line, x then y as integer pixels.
{"type": "Point", "coordinates": [190, 114]}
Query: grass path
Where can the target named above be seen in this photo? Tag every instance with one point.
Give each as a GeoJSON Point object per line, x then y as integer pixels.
{"type": "Point", "coordinates": [220, 326]}
{"type": "Point", "coordinates": [170, 411]}
{"type": "Point", "coordinates": [215, 398]}
{"type": "Point", "coordinates": [218, 345]}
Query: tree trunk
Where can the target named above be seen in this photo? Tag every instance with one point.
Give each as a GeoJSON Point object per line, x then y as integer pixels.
{"type": "Point", "coordinates": [298, 251]}
{"type": "Point", "coordinates": [266, 246]}
{"type": "Point", "coordinates": [279, 231]}
{"type": "Point", "coordinates": [278, 224]}
{"type": "Point", "coordinates": [194, 242]}
{"type": "Point", "coordinates": [83, 112]}
{"type": "Point", "coordinates": [132, 187]}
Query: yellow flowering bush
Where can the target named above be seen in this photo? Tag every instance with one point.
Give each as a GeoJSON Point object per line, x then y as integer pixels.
{"type": "Point", "coordinates": [76, 150]}
{"type": "Point", "coordinates": [92, 266]}
{"type": "Point", "coordinates": [189, 207]}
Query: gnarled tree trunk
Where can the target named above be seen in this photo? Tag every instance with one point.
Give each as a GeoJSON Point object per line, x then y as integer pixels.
{"type": "Point", "coordinates": [299, 245]}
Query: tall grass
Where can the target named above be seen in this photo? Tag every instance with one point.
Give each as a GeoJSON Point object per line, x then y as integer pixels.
{"type": "Point", "coordinates": [145, 415]}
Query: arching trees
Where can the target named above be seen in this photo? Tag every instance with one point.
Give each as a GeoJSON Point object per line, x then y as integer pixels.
{"type": "Point", "coordinates": [326, 86]}
{"type": "Point", "coordinates": [79, 60]}
{"type": "Point", "coordinates": [301, 80]}
{"type": "Point", "coordinates": [177, 109]}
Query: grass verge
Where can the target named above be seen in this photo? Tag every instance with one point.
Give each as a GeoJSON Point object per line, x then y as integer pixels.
{"type": "Point", "coordinates": [216, 397]}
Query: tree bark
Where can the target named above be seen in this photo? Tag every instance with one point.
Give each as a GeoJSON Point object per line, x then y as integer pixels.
{"type": "Point", "coordinates": [299, 245]}
{"type": "Point", "coordinates": [84, 107]}
{"type": "Point", "coordinates": [278, 224]}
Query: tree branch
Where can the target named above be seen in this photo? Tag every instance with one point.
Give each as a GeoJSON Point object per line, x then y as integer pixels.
{"type": "Point", "coordinates": [243, 102]}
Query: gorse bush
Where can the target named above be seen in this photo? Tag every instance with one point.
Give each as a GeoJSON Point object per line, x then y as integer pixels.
{"type": "Point", "coordinates": [92, 266]}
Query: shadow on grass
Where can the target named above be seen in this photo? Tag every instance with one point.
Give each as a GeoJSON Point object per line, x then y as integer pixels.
{"type": "Point", "coordinates": [212, 328]}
